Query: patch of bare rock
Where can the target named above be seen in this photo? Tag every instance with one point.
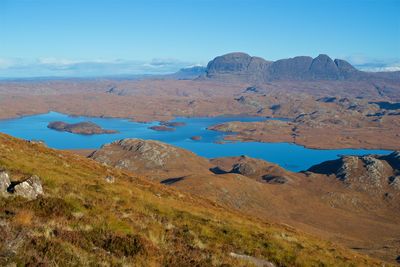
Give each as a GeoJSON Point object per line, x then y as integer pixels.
{"type": "Point", "coordinates": [29, 188]}
{"type": "Point", "coordinates": [371, 173]}
{"type": "Point", "coordinates": [151, 158]}
{"type": "Point", "coordinates": [257, 169]}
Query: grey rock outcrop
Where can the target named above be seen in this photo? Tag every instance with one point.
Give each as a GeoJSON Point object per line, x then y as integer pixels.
{"type": "Point", "coordinates": [375, 170]}
{"type": "Point", "coordinates": [371, 173]}
{"type": "Point", "coordinates": [395, 182]}
{"type": "Point", "coordinates": [4, 183]}
{"type": "Point", "coordinates": [30, 188]}
{"type": "Point", "coordinates": [257, 169]}
{"type": "Point", "coordinates": [349, 163]}
{"type": "Point", "coordinates": [150, 157]}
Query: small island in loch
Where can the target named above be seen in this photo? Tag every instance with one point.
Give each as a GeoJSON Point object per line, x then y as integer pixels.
{"type": "Point", "coordinates": [172, 123]}
{"type": "Point", "coordinates": [85, 128]}
{"type": "Point", "coordinates": [162, 128]}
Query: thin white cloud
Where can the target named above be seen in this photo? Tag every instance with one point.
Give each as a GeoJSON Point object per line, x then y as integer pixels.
{"type": "Point", "coordinates": [389, 67]}
{"type": "Point", "coordinates": [14, 67]}
{"type": "Point", "coordinates": [366, 63]}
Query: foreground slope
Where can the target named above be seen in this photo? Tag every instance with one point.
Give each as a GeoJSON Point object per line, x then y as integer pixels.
{"type": "Point", "coordinates": [91, 214]}
{"type": "Point", "coordinates": [360, 212]}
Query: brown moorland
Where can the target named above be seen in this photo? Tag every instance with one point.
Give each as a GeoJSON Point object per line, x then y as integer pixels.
{"type": "Point", "coordinates": [84, 217]}
{"type": "Point", "coordinates": [352, 113]}
{"type": "Point", "coordinates": [353, 201]}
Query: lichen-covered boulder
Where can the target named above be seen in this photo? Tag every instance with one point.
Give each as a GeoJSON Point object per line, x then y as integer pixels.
{"type": "Point", "coordinates": [4, 184]}
{"type": "Point", "coordinates": [31, 188]}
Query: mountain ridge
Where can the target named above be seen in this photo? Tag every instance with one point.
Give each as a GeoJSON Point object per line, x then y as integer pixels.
{"type": "Point", "coordinates": [239, 66]}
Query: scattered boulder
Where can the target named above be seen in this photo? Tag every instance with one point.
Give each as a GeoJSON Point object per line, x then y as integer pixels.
{"type": "Point", "coordinates": [38, 142]}
{"type": "Point", "coordinates": [196, 138]}
{"type": "Point", "coordinates": [110, 179]}
{"type": "Point", "coordinates": [30, 188]}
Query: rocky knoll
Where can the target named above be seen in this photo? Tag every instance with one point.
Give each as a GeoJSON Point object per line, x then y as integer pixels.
{"type": "Point", "coordinates": [151, 157]}
{"type": "Point", "coordinates": [85, 128]}
{"type": "Point", "coordinates": [257, 169]}
{"type": "Point", "coordinates": [243, 67]}
{"type": "Point", "coordinates": [377, 175]}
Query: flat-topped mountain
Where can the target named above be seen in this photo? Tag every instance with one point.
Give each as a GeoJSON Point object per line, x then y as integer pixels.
{"type": "Point", "coordinates": [85, 128]}
{"type": "Point", "coordinates": [243, 67]}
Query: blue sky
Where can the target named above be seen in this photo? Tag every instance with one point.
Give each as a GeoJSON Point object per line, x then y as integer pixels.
{"type": "Point", "coordinates": [98, 37]}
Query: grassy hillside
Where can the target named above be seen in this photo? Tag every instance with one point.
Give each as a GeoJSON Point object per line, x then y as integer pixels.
{"type": "Point", "coordinates": [83, 220]}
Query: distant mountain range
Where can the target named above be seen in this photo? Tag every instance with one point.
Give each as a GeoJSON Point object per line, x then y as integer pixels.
{"type": "Point", "coordinates": [245, 68]}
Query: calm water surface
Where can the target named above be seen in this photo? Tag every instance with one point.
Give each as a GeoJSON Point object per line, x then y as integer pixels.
{"type": "Point", "coordinates": [287, 155]}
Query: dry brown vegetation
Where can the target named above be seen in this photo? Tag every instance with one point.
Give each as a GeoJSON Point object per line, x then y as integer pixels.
{"type": "Point", "coordinates": [84, 220]}
{"type": "Point", "coordinates": [351, 120]}
{"type": "Point", "coordinates": [361, 213]}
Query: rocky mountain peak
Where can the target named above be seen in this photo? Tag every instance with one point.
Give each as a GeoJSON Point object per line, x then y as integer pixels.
{"type": "Point", "coordinates": [229, 62]}
{"type": "Point", "coordinates": [237, 66]}
{"type": "Point", "coordinates": [245, 68]}
{"type": "Point", "coordinates": [323, 68]}
{"type": "Point", "coordinates": [344, 66]}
